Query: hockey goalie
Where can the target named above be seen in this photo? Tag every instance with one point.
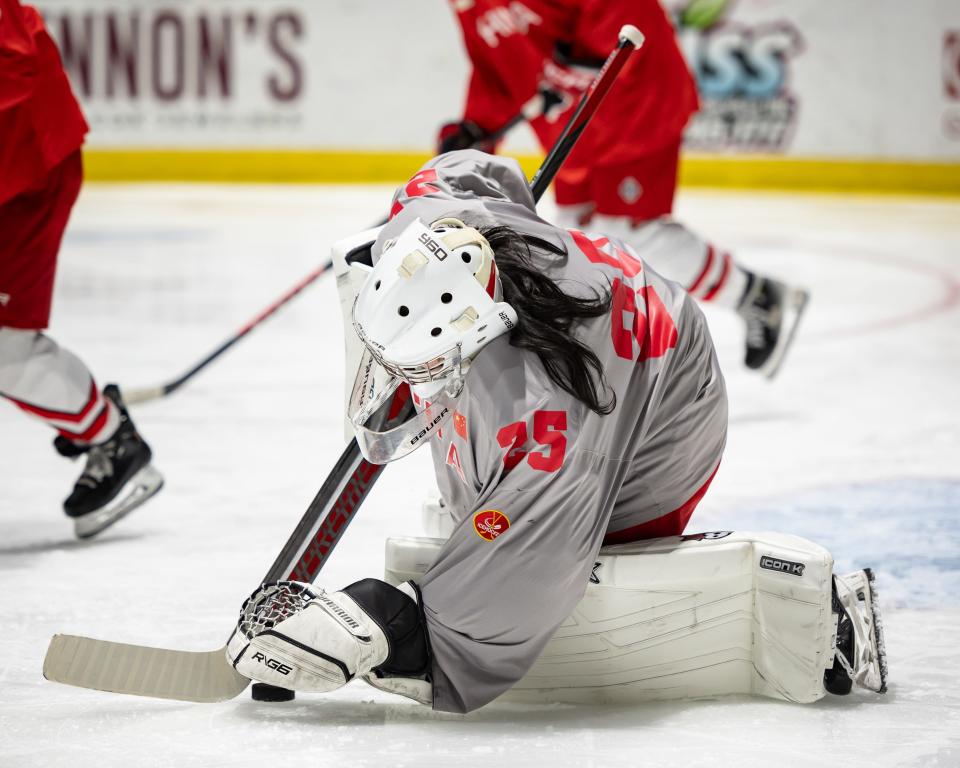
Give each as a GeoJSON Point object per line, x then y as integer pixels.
{"type": "Point", "coordinates": [576, 414]}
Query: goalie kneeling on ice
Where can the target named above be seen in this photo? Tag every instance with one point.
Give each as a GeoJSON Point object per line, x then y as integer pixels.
{"type": "Point", "coordinates": [681, 617]}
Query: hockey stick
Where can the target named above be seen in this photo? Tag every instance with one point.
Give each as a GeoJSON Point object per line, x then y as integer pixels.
{"type": "Point", "coordinates": [208, 676]}
{"type": "Point", "coordinates": [143, 394]}
{"type": "Point", "coordinates": [630, 39]}
{"type": "Point", "coordinates": [543, 101]}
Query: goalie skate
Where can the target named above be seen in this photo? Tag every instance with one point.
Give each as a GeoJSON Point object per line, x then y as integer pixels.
{"type": "Point", "coordinates": [860, 654]}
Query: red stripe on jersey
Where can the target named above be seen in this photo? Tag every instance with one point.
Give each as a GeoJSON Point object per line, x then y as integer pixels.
{"type": "Point", "coordinates": [90, 432]}
{"type": "Point", "coordinates": [724, 274]}
{"type": "Point", "coordinates": [72, 418]}
{"type": "Point", "coordinates": [706, 271]}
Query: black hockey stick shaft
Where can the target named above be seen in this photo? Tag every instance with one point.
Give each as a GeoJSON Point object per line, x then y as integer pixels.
{"type": "Point", "coordinates": [327, 517]}
{"type": "Point", "coordinates": [540, 103]}
{"type": "Point", "coordinates": [630, 39]}
{"type": "Point", "coordinates": [348, 484]}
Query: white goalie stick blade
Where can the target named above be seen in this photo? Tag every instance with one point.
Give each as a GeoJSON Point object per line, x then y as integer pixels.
{"type": "Point", "coordinates": [204, 676]}
{"type": "Point", "coordinates": [207, 676]}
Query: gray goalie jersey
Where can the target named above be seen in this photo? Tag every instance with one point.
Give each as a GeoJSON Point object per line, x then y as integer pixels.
{"type": "Point", "coordinates": [535, 478]}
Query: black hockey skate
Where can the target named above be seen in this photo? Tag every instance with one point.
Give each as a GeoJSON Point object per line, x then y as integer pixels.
{"type": "Point", "coordinates": [772, 312]}
{"type": "Point", "coordinates": [117, 479]}
{"type": "Point", "coordinates": [859, 654]}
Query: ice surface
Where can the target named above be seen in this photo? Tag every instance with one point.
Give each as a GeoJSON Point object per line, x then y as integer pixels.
{"type": "Point", "coordinates": [855, 445]}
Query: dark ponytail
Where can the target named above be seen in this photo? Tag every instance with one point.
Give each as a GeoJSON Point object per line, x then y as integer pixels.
{"type": "Point", "coordinates": [547, 314]}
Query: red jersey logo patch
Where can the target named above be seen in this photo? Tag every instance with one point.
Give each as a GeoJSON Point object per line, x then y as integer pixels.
{"type": "Point", "coordinates": [490, 523]}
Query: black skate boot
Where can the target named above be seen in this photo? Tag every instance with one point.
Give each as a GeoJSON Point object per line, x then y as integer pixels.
{"type": "Point", "coordinates": [772, 312]}
{"type": "Point", "coordinates": [117, 479]}
{"type": "Point", "coordinates": [859, 653]}
{"type": "Point", "coordinates": [836, 680]}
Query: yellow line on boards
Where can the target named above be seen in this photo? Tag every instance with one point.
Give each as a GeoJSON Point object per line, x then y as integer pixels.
{"type": "Point", "coordinates": [254, 165]}
{"type": "Point", "coordinates": [355, 167]}
{"type": "Point", "coordinates": [821, 174]}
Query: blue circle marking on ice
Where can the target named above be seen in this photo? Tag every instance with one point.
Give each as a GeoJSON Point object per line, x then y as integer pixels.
{"type": "Point", "coordinates": [907, 530]}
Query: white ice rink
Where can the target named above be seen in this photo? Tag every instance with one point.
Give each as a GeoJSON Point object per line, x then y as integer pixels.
{"type": "Point", "coordinates": [856, 445]}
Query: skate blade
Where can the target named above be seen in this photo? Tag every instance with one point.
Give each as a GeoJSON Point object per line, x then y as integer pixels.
{"type": "Point", "coordinates": [144, 484]}
{"type": "Point", "coordinates": [877, 631]}
{"type": "Point", "coordinates": [794, 305]}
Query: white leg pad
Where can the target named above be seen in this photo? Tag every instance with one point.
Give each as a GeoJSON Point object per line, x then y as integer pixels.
{"type": "Point", "coordinates": [744, 613]}
{"type": "Point", "coordinates": [436, 517]}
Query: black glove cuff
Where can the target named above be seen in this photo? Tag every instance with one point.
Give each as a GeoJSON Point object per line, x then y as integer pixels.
{"type": "Point", "coordinates": [402, 622]}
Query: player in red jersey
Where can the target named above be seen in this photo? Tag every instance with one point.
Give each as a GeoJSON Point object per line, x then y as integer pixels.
{"type": "Point", "coordinates": [40, 176]}
{"type": "Point", "coordinates": [622, 176]}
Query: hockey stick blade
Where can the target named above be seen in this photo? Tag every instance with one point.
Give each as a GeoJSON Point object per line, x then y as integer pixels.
{"type": "Point", "coordinates": [207, 676]}
{"type": "Point", "coordinates": [102, 665]}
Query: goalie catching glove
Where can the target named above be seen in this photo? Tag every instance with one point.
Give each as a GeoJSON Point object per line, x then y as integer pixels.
{"type": "Point", "coordinates": [301, 638]}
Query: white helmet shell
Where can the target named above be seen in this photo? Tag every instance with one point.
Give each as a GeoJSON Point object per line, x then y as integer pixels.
{"type": "Point", "coordinates": [430, 304]}
{"type": "Point", "coordinates": [432, 291]}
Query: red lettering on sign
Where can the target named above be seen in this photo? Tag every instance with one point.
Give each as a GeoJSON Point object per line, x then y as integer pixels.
{"type": "Point", "coordinates": [951, 64]}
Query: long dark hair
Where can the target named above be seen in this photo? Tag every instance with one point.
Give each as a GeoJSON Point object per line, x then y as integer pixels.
{"type": "Point", "coordinates": [546, 315]}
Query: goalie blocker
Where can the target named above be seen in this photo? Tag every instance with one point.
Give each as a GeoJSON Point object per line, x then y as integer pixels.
{"type": "Point", "coordinates": [679, 617]}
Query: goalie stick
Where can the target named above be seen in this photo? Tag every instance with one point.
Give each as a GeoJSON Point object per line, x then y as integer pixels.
{"type": "Point", "coordinates": [208, 676]}
{"type": "Point", "coordinates": [539, 104]}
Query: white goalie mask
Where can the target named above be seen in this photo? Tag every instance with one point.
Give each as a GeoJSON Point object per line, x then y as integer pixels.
{"type": "Point", "coordinates": [430, 304]}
